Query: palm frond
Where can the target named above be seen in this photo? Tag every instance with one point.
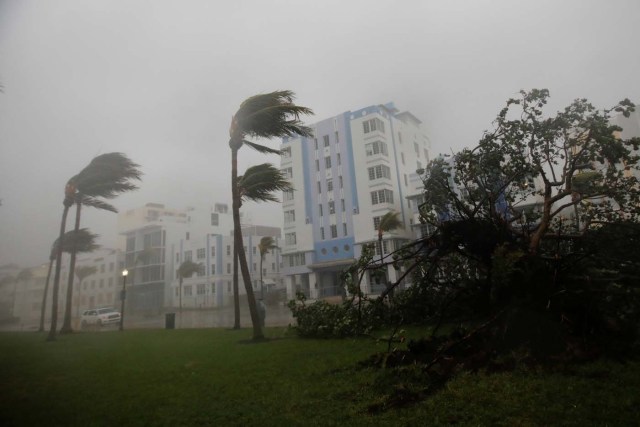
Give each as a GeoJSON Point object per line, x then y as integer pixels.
{"type": "Point", "coordinates": [107, 176]}
{"type": "Point", "coordinates": [81, 241]}
{"type": "Point", "coordinates": [188, 268]}
{"type": "Point", "coordinates": [98, 204]}
{"type": "Point", "coordinates": [84, 271]}
{"type": "Point", "coordinates": [267, 243]}
{"type": "Point", "coordinates": [260, 182]}
{"type": "Point", "coordinates": [261, 148]}
{"type": "Point", "coordinates": [270, 115]}
{"type": "Point", "coordinates": [390, 221]}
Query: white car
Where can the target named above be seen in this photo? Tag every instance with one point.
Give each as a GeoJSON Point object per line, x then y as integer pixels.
{"type": "Point", "coordinates": [100, 317]}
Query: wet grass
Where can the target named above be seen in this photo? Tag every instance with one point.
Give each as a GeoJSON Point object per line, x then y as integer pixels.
{"type": "Point", "coordinates": [216, 377]}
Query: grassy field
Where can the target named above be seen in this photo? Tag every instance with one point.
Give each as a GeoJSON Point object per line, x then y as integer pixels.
{"type": "Point", "coordinates": [216, 377]}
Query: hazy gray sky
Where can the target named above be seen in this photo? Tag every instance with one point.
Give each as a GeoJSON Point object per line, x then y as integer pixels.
{"type": "Point", "coordinates": [159, 81]}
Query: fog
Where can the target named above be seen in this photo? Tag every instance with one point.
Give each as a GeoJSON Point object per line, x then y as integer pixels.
{"type": "Point", "coordinates": [159, 81]}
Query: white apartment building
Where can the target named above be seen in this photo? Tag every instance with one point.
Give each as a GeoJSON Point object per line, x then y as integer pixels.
{"type": "Point", "coordinates": [158, 240]}
{"type": "Point", "coordinates": [355, 169]}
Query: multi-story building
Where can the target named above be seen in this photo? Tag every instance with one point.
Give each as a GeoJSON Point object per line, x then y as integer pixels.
{"type": "Point", "coordinates": [158, 240]}
{"type": "Point", "coordinates": [355, 169]}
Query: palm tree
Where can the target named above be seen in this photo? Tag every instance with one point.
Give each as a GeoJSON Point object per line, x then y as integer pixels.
{"type": "Point", "coordinates": [82, 241]}
{"type": "Point", "coordinates": [258, 184]}
{"type": "Point", "coordinates": [187, 269]}
{"type": "Point", "coordinates": [267, 244]}
{"type": "Point", "coordinates": [388, 222]}
{"type": "Point", "coordinates": [106, 176]}
{"type": "Point", "coordinates": [82, 273]}
{"type": "Point", "coordinates": [261, 116]}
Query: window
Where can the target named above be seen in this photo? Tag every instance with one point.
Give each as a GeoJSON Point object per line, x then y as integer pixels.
{"type": "Point", "coordinates": [337, 137]}
{"type": "Point", "coordinates": [418, 165]}
{"type": "Point", "coordinates": [376, 222]}
{"type": "Point", "coordinates": [288, 173]}
{"type": "Point", "coordinates": [213, 269]}
{"type": "Point", "coordinates": [187, 236]}
{"type": "Point", "coordinates": [399, 137]}
{"type": "Point", "coordinates": [286, 152]}
{"type": "Point", "coordinates": [110, 282]}
{"type": "Point", "coordinates": [319, 187]}
{"type": "Point", "coordinates": [315, 142]}
{"type": "Point", "coordinates": [229, 286]}
{"type": "Point", "coordinates": [320, 209]}
{"type": "Point", "coordinates": [273, 266]}
{"type": "Point", "coordinates": [326, 140]}
{"type": "Point", "coordinates": [385, 247]}
{"type": "Point", "coordinates": [416, 148]}
{"type": "Point", "coordinates": [381, 196]}
{"type": "Point", "coordinates": [188, 255]}
{"type": "Point", "coordinates": [402, 157]}
{"type": "Point", "coordinates": [322, 233]}
{"type": "Point", "coordinates": [338, 159]}
{"type": "Point", "coordinates": [327, 162]}
{"type": "Point", "coordinates": [332, 207]}
{"type": "Point", "coordinates": [344, 228]}
{"type": "Point", "coordinates": [228, 268]}
{"type": "Point", "coordinates": [188, 291]}
{"type": "Point", "coordinates": [201, 272]}
{"type": "Point", "coordinates": [378, 172]}
{"type": "Point", "coordinates": [290, 238]}
{"type": "Point", "coordinates": [334, 231]}
{"type": "Point", "coordinates": [228, 250]}
{"type": "Point", "coordinates": [375, 148]}
{"type": "Point", "coordinates": [214, 219]}
{"type": "Point", "coordinates": [340, 180]}
{"type": "Point", "coordinates": [289, 216]}
{"type": "Point", "coordinates": [329, 185]}
{"type": "Point", "coordinates": [213, 251]}
{"type": "Point", "coordinates": [287, 195]}
{"type": "Point", "coordinates": [200, 253]}
{"type": "Point", "coordinates": [342, 205]}
{"type": "Point", "coordinates": [317, 165]}
{"type": "Point", "coordinates": [200, 289]}
{"type": "Point", "coordinates": [373, 125]}
{"type": "Point", "coordinates": [254, 266]}
{"type": "Point", "coordinates": [406, 182]}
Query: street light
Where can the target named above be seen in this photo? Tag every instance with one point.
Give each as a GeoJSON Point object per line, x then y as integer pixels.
{"type": "Point", "coordinates": [125, 272]}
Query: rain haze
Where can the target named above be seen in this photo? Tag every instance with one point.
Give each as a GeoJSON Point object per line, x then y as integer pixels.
{"type": "Point", "coordinates": [160, 80]}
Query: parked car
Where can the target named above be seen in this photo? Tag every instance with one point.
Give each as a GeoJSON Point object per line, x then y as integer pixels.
{"type": "Point", "coordinates": [99, 317]}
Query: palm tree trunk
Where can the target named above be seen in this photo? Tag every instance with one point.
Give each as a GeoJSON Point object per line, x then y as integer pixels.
{"type": "Point", "coordinates": [242, 258]}
{"type": "Point", "coordinates": [66, 324]}
{"type": "Point", "coordinates": [236, 291]}
{"type": "Point", "coordinates": [44, 298]}
{"type": "Point", "coordinates": [261, 281]}
{"type": "Point", "coordinates": [78, 299]}
{"type": "Point", "coordinates": [56, 277]}
{"type": "Point", "coordinates": [180, 300]}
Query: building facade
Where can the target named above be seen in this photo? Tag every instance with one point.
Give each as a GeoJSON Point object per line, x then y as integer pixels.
{"type": "Point", "coordinates": [354, 170]}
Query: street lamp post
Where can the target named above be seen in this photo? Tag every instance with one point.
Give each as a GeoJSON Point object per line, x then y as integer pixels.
{"type": "Point", "coordinates": [122, 297]}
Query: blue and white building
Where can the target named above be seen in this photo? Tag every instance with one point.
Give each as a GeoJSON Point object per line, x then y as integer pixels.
{"type": "Point", "coordinates": [355, 169]}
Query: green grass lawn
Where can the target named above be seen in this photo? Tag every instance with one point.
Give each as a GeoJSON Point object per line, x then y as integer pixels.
{"type": "Point", "coordinates": [215, 377]}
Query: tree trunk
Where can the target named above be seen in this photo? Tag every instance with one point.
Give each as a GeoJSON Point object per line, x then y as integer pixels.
{"type": "Point", "coordinates": [180, 299]}
{"type": "Point", "coordinates": [56, 277]}
{"type": "Point", "coordinates": [44, 298]}
{"type": "Point", "coordinates": [242, 259]}
{"type": "Point", "coordinates": [536, 238]}
{"type": "Point", "coordinates": [236, 291]}
{"type": "Point", "coordinates": [66, 324]}
{"type": "Point", "coordinates": [261, 281]}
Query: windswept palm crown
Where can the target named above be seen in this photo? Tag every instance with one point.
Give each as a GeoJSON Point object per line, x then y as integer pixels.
{"type": "Point", "coordinates": [266, 116]}
{"type": "Point", "coordinates": [81, 240]}
{"type": "Point", "coordinates": [260, 182]}
{"type": "Point", "coordinates": [187, 269]}
{"type": "Point", "coordinates": [389, 222]}
{"type": "Point", "coordinates": [267, 244]}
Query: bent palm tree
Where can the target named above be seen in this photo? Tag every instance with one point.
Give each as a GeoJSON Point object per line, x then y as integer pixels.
{"type": "Point", "coordinates": [388, 222]}
{"type": "Point", "coordinates": [258, 184]}
{"type": "Point", "coordinates": [267, 244]}
{"type": "Point", "coordinates": [262, 116]}
{"type": "Point", "coordinates": [107, 176]}
{"type": "Point", "coordinates": [83, 241]}
{"type": "Point", "coordinates": [98, 179]}
{"type": "Point", "coordinates": [187, 269]}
